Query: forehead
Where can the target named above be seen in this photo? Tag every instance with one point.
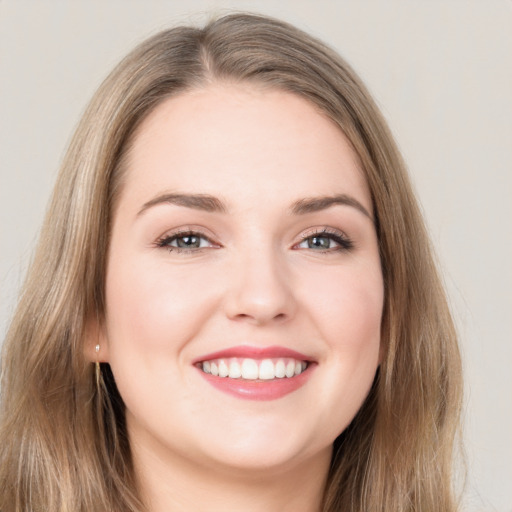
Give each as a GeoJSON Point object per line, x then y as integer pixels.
{"type": "Point", "coordinates": [243, 139]}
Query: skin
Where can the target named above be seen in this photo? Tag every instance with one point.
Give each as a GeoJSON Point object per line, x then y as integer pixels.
{"type": "Point", "coordinates": [256, 281]}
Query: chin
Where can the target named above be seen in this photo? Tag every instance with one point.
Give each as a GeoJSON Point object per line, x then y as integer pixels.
{"type": "Point", "coordinates": [269, 447]}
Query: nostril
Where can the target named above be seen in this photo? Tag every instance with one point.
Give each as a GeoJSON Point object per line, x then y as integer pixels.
{"type": "Point", "coordinates": [260, 318]}
{"type": "Point", "coordinates": [259, 298]}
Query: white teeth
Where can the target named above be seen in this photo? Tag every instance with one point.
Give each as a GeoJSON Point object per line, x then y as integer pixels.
{"type": "Point", "coordinates": [254, 369]}
{"type": "Point", "coordinates": [280, 369]}
{"type": "Point", "coordinates": [249, 369]}
{"type": "Point", "coordinates": [223, 369]}
{"type": "Point", "coordinates": [235, 372]}
{"type": "Point", "coordinates": [267, 371]}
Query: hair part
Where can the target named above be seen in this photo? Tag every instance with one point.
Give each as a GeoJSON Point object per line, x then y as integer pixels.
{"type": "Point", "coordinates": [64, 441]}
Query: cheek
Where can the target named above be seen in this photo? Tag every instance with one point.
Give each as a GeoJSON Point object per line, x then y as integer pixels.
{"type": "Point", "coordinates": [347, 304]}
{"type": "Point", "coordinates": [153, 306]}
{"type": "Point", "coordinates": [348, 315]}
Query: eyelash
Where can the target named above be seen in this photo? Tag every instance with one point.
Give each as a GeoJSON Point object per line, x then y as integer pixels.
{"type": "Point", "coordinates": [342, 241]}
{"type": "Point", "coordinates": [166, 240]}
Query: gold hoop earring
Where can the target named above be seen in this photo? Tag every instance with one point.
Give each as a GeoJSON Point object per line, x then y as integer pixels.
{"type": "Point", "coordinates": [98, 369]}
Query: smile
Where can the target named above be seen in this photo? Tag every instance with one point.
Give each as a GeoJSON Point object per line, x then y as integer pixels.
{"type": "Point", "coordinates": [254, 369]}
{"type": "Point", "coordinates": [256, 373]}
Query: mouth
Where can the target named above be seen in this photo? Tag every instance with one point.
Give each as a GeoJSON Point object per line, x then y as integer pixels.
{"type": "Point", "coordinates": [254, 369]}
{"type": "Point", "coordinates": [256, 373]}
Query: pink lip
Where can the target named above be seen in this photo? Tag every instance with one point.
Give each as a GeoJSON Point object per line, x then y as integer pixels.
{"type": "Point", "coordinates": [257, 389]}
{"type": "Point", "coordinates": [253, 353]}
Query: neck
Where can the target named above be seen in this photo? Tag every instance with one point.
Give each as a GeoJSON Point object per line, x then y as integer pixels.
{"type": "Point", "coordinates": [183, 486]}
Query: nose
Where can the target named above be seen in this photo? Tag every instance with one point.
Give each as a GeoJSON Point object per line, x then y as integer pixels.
{"type": "Point", "coordinates": [260, 290]}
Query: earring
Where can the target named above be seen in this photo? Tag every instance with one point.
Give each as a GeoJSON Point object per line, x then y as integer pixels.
{"type": "Point", "coordinates": [98, 369]}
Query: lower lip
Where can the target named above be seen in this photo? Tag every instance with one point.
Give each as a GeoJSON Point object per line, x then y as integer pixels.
{"type": "Point", "coordinates": [259, 389]}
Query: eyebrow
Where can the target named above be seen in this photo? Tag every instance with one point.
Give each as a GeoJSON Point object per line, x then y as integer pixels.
{"type": "Point", "coordinates": [212, 204]}
{"type": "Point", "coordinates": [316, 204]}
{"type": "Point", "coordinates": [203, 202]}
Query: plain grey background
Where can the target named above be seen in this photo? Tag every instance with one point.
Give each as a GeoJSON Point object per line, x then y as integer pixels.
{"type": "Point", "coordinates": [441, 71]}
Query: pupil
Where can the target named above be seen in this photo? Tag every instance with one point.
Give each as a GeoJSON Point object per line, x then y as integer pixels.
{"type": "Point", "coordinates": [188, 241]}
{"type": "Point", "coordinates": [321, 242]}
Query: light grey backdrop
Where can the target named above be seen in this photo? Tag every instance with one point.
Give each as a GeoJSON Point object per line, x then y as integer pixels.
{"type": "Point", "coordinates": [442, 74]}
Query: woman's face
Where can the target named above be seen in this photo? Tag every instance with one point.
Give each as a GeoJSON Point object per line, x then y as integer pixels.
{"type": "Point", "coordinates": [244, 291]}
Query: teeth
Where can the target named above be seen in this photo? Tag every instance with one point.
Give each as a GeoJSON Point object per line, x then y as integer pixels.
{"type": "Point", "coordinates": [223, 369]}
{"type": "Point", "coordinates": [249, 369]}
{"type": "Point", "coordinates": [280, 369]}
{"type": "Point", "coordinates": [235, 371]}
{"type": "Point", "coordinates": [267, 370]}
{"type": "Point", "coordinates": [254, 369]}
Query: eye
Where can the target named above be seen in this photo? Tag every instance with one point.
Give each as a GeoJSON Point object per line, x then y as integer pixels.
{"type": "Point", "coordinates": [326, 241]}
{"type": "Point", "coordinates": [187, 241]}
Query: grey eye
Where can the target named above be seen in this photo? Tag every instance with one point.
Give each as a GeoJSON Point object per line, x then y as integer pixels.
{"type": "Point", "coordinates": [185, 242]}
{"type": "Point", "coordinates": [188, 242]}
{"type": "Point", "coordinates": [325, 242]}
{"type": "Point", "coordinates": [319, 242]}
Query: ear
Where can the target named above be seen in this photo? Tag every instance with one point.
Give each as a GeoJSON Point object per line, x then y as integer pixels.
{"type": "Point", "coordinates": [95, 336]}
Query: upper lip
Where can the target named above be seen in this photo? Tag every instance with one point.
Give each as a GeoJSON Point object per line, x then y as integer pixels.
{"type": "Point", "coordinates": [252, 352]}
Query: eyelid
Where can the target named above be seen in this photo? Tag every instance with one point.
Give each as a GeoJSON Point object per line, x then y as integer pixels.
{"type": "Point", "coordinates": [164, 240]}
{"type": "Point", "coordinates": [335, 234]}
{"type": "Point", "coordinates": [340, 237]}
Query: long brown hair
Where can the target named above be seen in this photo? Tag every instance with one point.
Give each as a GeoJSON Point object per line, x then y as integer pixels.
{"type": "Point", "coordinates": [63, 443]}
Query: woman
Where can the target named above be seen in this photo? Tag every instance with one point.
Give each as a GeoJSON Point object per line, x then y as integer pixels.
{"type": "Point", "coordinates": [233, 303]}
